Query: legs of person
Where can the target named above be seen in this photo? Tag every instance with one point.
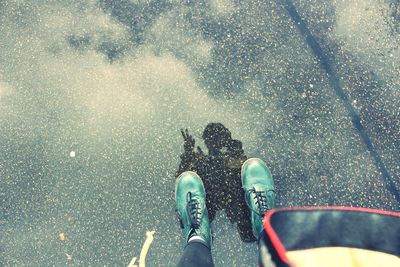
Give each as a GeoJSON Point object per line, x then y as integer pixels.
{"type": "Point", "coordinates": [190, 200]}
{"type": "Point", "coordinates": [196, 254]}
{"type": "Point", "coordinates": [211, 208]}
{"type": "Point", "coordinates": [237, 211]}
{"type": "Point", "coordinates": [244, 224]}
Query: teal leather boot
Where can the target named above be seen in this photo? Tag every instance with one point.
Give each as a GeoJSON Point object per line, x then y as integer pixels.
{"type": "Point", "coordinates": [258, 185]}
{"type": "Point", "coordinates": [190, 198]}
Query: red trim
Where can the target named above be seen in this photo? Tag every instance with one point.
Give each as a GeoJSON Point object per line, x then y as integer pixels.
{"type": "Point", "coordinates": [361, 209]}
{"type": "Point", "coordinates": [276, 242]}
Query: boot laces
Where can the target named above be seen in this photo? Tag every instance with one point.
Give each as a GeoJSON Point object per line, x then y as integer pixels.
{"type": "Point", "coordinates": [261, 200]}
{"type": "Point", "coordinates": [194, 211]}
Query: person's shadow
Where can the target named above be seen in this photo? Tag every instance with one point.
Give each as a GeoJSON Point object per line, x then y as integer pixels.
{"type": "Point", "coordinates": [220, 172]}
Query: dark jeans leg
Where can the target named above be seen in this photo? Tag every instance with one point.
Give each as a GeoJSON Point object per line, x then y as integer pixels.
{"type": "Point", "coordinates": [196, 254]}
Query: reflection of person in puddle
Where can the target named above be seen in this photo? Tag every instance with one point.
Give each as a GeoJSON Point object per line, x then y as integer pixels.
{"type": "Point", "coordinates": [220, 173]}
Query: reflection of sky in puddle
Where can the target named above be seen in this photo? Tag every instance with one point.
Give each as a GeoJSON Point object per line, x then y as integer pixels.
{"type": "Point", "coordinates": [91, 106]}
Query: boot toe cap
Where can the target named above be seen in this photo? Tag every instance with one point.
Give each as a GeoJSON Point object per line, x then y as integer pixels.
{"type": "Point", "coordinates": [254, 171]}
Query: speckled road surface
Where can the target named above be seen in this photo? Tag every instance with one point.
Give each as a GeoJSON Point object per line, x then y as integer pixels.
{"type": "Point", "coordinates": [93, 95]}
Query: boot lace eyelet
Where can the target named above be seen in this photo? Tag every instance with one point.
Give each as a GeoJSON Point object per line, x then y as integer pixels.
{"type": "Point", "coordinates": [261, 200]}
{"type": "Point", "coordinates": [194, 210]}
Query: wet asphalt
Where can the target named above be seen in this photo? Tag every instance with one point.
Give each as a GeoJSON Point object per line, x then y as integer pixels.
{"type": "Point", "coordinates": [93, 96]}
